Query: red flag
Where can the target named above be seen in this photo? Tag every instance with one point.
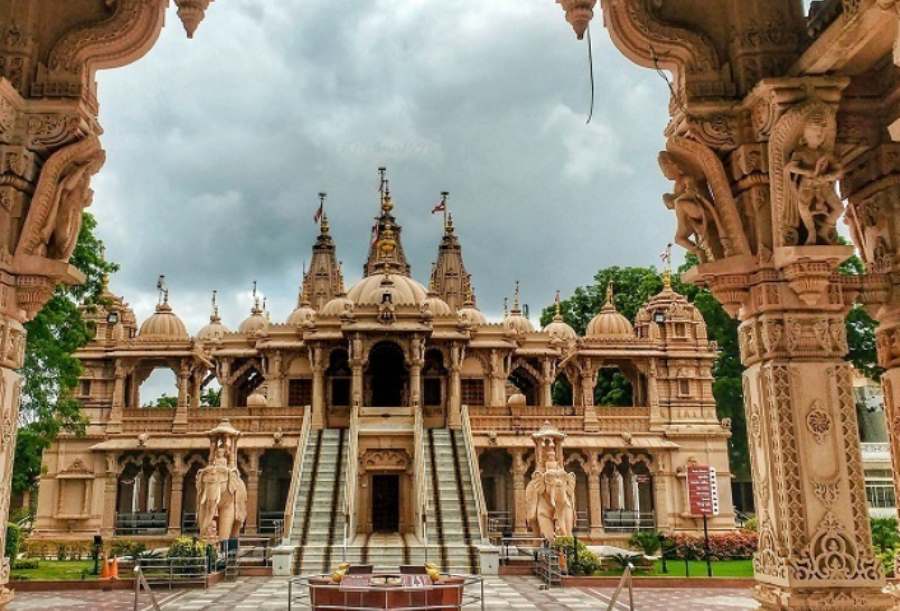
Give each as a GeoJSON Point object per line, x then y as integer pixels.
{"type": "Point", "coordinates": [319, 213]}
{"type": "Point", "coordinates": [440, 207]}
{"type": "Point", "coordinates": [374, 233]}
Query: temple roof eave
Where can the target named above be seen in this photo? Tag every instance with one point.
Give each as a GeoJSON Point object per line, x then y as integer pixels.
{"type": "Point", "coordinates": [578, 440]}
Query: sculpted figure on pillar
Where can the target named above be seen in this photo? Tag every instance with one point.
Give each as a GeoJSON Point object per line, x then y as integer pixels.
{"type": "Point", "coordinates": [550, 495]}
{"type": "Point", "coordinates": [805, 172]}
{"type": "Point", "coordinates": [221, 493]}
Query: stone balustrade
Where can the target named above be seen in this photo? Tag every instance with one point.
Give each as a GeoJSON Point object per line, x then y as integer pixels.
{"type": "Point", "coordinates": [246, 419]}
{"type": "Point", "coordinates": [568, 419]}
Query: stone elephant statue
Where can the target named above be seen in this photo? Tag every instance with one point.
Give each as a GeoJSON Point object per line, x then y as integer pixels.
{"type": "Point", "coordinates": [221, 502]}
{"type": "Point", "coordinates": [550, 503]}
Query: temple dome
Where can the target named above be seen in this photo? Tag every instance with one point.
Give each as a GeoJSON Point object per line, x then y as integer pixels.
{"type": "Point", "coordinates": [609, 323]}
{"type": "Point", "coordinates": [471, 315]}
{"type": "Point", "coordinates": [303, 315]}
{"type": "Point", "coordinates": [559, 329]}
{"type": "Point", "coordinates": [212, 331]}
{"type": "Point", "coordinates": [163, 324]}
{"type": "Point", "coordinates": [336, 307]}
{"type": "Point", "coordinates": [403, 290]}
{"type": "Point", "coordinates": [515, 321]}
{"type": "Point", "coordinates": [437, 306]}
{"type": "Point", "coordinates": [254, 323]}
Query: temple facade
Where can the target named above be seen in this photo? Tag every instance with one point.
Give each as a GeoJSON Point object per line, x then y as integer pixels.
{"type": "Point", "coordinates": [389, 410]}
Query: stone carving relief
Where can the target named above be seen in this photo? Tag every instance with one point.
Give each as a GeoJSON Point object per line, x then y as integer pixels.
{"type": "Point", "coordinates": [708, 221]}
{"type": "Point", "coordinates": [804, 173]}
{"type": "Point", "coordinates": [62, 192]}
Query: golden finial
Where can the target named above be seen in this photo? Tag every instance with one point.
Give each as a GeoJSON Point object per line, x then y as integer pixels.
{"type": "Point", "coordinates": [558, 315]}
{"type": "Point", "coordinates": [516, 303]}
{"type": "Point", "coordinates": [505, 307]}
{"type": "Point", "coordinates": [609, 292]}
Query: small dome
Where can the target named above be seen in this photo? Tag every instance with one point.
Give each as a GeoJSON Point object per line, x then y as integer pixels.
{"type": "Point", "coordinates": [163, 324]}
{"type": "Point", "coordinates": [402, 289]}
{"type": "Point", "coordinates": [337, 307]}
{"type": "Point", "coordinates": [213, 331]}
{"type": "Point", "coordinates": [254, 323]}
{"type": "Point", "coordinates": [514, 320]}
{"type": "Point", "coordinates": [609, 324]}
{"type": "Point", "coordinates": [302, 316]}
{"type": "Point", "coordinates": [257, 399]}
{"type": "Point", "coordinates": [559, 329]}
{"type": "Point", "coordinates": [471, 315]}
{"type": "Point", "coordinates": [436, 306]}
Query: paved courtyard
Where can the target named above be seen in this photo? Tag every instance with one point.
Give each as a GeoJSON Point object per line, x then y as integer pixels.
{"type": "Point", "coordinates": [258, 594]}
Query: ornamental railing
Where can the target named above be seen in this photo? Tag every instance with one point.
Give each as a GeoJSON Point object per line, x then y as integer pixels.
{"type": "Point", "coordinates": [294, 488]}
{"type": "Point", "coordinates": [529, 419]}
{"type": "Point", "coordinates": [474, 472]}
{"type": "Point", "coordinates": [245, 419]}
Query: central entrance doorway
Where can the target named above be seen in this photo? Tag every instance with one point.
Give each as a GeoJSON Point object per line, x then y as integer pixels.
{"type": "Point", "coordinates": [386, 503]}
{"type": "Point", "coordinates": [388, 377]}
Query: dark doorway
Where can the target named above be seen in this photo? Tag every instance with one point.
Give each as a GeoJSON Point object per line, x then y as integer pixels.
{"type": "Point", "coordinates": [387, 375]}
{"type": "Point", "coordinates": [386, 503]}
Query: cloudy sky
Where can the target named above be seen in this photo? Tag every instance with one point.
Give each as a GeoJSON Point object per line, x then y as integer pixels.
{"type": "Point", "coordinates": [217, 148]}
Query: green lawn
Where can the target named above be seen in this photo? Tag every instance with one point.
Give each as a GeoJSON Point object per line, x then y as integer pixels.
{"type": "Point", "coordinates": [697, 568]}
{"type": "Point", "coordinates": [53, 570]}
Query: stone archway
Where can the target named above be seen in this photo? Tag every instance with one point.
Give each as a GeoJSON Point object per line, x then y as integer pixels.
{"type": "Point", "coordinates": [387, 376]}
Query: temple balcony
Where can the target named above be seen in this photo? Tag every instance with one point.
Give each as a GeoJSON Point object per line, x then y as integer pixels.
{"type": "Point", "coordinates": [527, 419]}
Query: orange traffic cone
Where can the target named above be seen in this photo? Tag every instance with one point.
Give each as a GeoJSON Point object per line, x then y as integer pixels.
{"type": "Point", "coordinates": [105, 570]}
{"type": "Point", "coordinates": [114, 569]}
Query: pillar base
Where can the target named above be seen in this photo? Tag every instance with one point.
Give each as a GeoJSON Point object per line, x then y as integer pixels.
{"type": "Point", "coordinates": [857, 598]}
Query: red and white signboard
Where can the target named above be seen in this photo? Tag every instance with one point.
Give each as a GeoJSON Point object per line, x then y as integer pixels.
{"type": "Point", "coordinates": [702, 490]}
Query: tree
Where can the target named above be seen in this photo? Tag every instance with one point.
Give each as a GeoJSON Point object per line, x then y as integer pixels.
{"type": "Point", "coordinates": [211, 397]}
{"type": "Point", "coordinates": [50, 372]}
{"type": "Point", "coordinates": [633, 286]}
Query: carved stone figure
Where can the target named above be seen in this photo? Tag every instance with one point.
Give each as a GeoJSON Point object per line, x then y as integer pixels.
{"type": "Point", "coordinates": [694, 211]}
{"type": "Point", "coordinates": [221, 493]}
{"type": "Point", "coordinates": [550, 495]}
{"type": "Point", "coordinates": [811, 176]}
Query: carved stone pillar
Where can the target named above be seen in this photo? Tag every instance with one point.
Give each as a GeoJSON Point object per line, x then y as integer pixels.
{"type": "Point", "coordinates": [110, 492]}
{"type": "Point", "coordinates": [224, 375]}
{"type": "Point", "coordinates": [454, 395]}
{"type": "Point", "coordinates": [118, 400]}
{"type": "Point", "coordinates": [176, 493]}
{"type": "Point", "coordinates": [588, 379]}
{"type": "Point", "coordinates": [275, 378]}
{"type": "Point", "coordinates": [251, 526]}
{"type": "Point", "coordinates": [519, 467]}
{"type": "Point", "coordinates": [357, 359]}
{"type": "Point", "coordinates": [179, 424]}
{"type": "Point", "coordinates": [416, 362]}
{"type": "Point", "coordinates": [196, 388]}
{"type": "Point", "coordinates": [595, 501]}
{"type": "Point", "coordinates": [316, 361]}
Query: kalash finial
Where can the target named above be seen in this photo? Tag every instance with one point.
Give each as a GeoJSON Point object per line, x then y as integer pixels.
{"type": "Point", "coordinates": [666, 257]}
{"type": "Point", "coordinates": [214, 317]}
{"type": "Point", "coordinates": [505, 307]}
{"type": "Point", "coordinates": [558, 315]}
{"type": "Point", "coordinates": [163, 291]}
{"type": "Point", "coordinates": [321, 217]}
{"type": "Point", "coordinates": [517, 306]}
{"type": "Point", "coordinates": [255, 309]}
{"type": "Point", "coordinates": [384, 188]}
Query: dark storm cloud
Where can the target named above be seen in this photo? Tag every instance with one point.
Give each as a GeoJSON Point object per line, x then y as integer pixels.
{"type": "Point", "coordinates": [218, 146]}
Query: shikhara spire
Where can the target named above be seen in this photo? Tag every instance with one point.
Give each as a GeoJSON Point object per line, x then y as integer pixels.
{"type": "Point", "coordinates": [451, 281]}
{"type": "Point", "coordinates": [386, 251]}
{"type": "Point", "coordinates": [322, 281]}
